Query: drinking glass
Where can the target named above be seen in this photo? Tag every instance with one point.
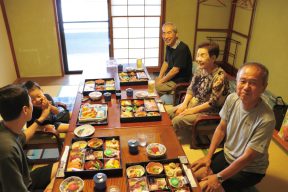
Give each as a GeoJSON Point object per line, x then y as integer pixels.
{"type": "Point", "coordinates": [118, 94]}
{"type": "Point", "coordinates": [139, 63]}
{"type": "Point", "coordinates": [151, 86]}
{"type": "Point", "coordinates": [142, 139]}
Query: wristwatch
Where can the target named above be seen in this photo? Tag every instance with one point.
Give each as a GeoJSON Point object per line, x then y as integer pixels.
{"type": "Point", "coordinates": [220, 178]}
{"type": "Point", "coordinates": [38, 122]}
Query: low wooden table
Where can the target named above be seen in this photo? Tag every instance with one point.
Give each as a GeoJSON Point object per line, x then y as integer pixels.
{"type": "Point", "coordinates": [156, 131]}
{"type": "Point", "coordinates": [160, 134]}
{"type": "Point", "coordinates": [114, 115]}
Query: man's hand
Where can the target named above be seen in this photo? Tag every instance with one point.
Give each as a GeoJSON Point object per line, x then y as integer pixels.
{"type": "Point", "coordinates": [49, 128]}
{"type": "Point", "coordinates": [45, 113]}
{"type": "Point", "coordinates": [202, 162]}
{"type": "Point", "coordinates": [158, 80]}
{"type": "Point", "coordinates": [212, 183]}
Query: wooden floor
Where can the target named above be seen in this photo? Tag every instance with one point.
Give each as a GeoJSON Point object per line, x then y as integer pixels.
{"type": "Point", "coordinates": [48, 81]}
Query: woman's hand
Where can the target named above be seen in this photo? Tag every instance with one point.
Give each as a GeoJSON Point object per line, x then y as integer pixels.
{"type": "Point", "coordinates": [189, 111]}
{"type": "Point", "coordinates": [159, 80]}
{"type": "Point", "coordinates": [180, 109]}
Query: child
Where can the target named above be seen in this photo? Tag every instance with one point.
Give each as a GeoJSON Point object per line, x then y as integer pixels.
{"type": "Point", "coordinates": [40, 101]}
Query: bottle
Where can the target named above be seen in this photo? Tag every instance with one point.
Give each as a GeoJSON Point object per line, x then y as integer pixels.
{"type": "Point", "coordinates": [133, 146]}
{"type": "Point", "coordinates": [120, 68]}
{"type": "Point", "coordinates": [100, 181]}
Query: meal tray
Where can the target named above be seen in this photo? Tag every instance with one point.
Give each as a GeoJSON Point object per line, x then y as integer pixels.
{"type": "Point", "coordinates": [110, 172]}
{"type": "Point", "coordinates": [96, 120]}
{"type": "Point", "coordinates": [128, 78]}
{"type": "Point", "coordinates": [107, 85]}
{"type": "Point", "coordinates": [134, 110]}
{"type": "Point", "coordinates": [149, 178]}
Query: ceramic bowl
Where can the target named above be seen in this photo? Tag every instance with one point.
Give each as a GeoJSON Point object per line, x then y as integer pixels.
{"type": "Point", "coordinates": [156, 150]}
{"type": "Point", "coordinates": [72, 183]}
{"type": "Point", "coordinates": [96, 95]}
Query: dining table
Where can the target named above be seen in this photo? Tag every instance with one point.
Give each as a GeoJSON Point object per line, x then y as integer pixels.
{"type": "Point", "coordinates": [160, 131]}
{"type": "Point", "coordinates": [155, 134]}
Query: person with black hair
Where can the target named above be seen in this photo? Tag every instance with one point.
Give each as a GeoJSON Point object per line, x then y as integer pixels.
{"type": "Point", "coordinates": [16, 109]}
{"type": "Point", "coordinates": [40, 100]}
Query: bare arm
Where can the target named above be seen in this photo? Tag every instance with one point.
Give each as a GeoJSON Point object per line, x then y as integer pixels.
{"type": "Point", "coordinates": [184, 105]}
{"type": "Point", "coordinates": [248, 156]}
{"type": "Point", "coordinates": [218, 136]}
{"type": "Point", "coordinates": [54, 109]}
{"type": "Point", "coordinates": [163, 70]}
{"type": "Point", "coordinates": [174, 71]}
{"type": "Point", "coordinates": [212, 181]}
{"type": "Point", "coordinates": [197, 109]}
{"type": "Point", "coordinates": [30, 131]}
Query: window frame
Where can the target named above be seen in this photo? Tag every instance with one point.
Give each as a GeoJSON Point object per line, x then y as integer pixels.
{"type": "Point", "coordinates": [161, 43]}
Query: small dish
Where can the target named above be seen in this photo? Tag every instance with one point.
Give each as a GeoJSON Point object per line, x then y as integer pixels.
{"type": "Point", "coordinates": [110, 152]}
{"type": "Point", "coordinates": [154, 168]}
{"type": "Point", "coordinates": [79, 145]}
{"type": "Point", "coordinates": [93, 165]}
{"type": "Point", "coordinates": [95, 143]}
{"type": "Point", "coordinates": [95, 95]}
{"type": "Point", "coordinates": [129, 69]}
{"type": "Point", "coordinates": [84, 130]}
{"type": "Point", "coordinates": [141, 94]}
{"type": "Point", "coordinates": [72, 184]}
{"type": "Point", "coordinates": [176, 182]}
{"type": "Point", "coordinates": [135, 171]}
{"type": "Point", "coordinates": [156, 150]}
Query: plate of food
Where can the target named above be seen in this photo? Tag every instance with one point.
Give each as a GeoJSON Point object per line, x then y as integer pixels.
{"type": "Point", "coordinates": [93, 112]}
{"type": "Point", "coordinates": [93, 165]}
{"type": "Point", "coordinates": [135, 171]}
{"type": "Point", "coordinates": [72, 184]}
{"type": "Point", "coordinates": [90, 154]}
{"type": "Point", "coordinates": [112, 144]}
{"type": "Point", "coordinates": [156, 150]}
{"type": "Point", "coordinates": [177, 182]}
{"type": "Point", "coordinates": [141, 94]}
{"type": "Point", "coordinates": [112, 164]}
{"type": "Point", "coordinates": [79, 145]}
{"type": "Point", "coordinates": [95, 143]}
{"type": "Point", "coordinates": [110, 152]}
{"type": "Point", "coordinates": [173, 169]}
{"type": "Point", "coordinates": [156, 184]}
{"type": "Point", "coordinates": [154, 168]}
{"type": "Point", "coordinates": [84, 130]}
{"type": "Point", "coordinates": [137, 184]}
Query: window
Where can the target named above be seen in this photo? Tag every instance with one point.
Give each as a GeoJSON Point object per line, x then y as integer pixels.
{"type": "Point", "coordinates": [136, 31]}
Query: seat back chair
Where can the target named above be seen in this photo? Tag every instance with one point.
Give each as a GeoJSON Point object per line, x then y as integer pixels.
{"type": "Point", "coordinates": [39, 148]}
{"type": "Point", "coordinates": [203, 130]}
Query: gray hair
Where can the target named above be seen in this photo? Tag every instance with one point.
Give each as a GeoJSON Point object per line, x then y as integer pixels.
{"type": "Point", "coordinates": [174, 28]}
{"type": "Point", "coordinates": [261, 67]}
